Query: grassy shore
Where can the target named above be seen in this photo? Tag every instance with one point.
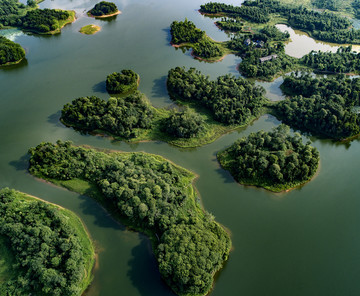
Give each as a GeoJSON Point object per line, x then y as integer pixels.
{"type": "Point", "coordinates": [7, 270]}
{"type": "Point", "coordinates": [105, 15]}
{"type": "Point", "coordinates": [90, 29]}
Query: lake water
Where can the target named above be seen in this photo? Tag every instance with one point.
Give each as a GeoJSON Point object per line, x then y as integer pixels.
{"type": "Point", "coordinates": [302, 243]}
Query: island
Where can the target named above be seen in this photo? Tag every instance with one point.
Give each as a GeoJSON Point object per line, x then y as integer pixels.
{"type": "Point", "coordinates": [205, 110]}
{"type": "Point", "coordinates": [104, 9]}
{"type": "Point", "coordinates": [44, 249]}
{"type": "Point", "coordinates": [273, 160]}
{"type": "Point", "coordinates": [32, 19]}
{"type": "Point", "coordinates": [148, 194]}
{"type": "Point", "coordinates": [326, 106]}
{"type": "Point", "coordinates": [11, 53]}
{"type": "Point", "coordinates": [89, 29]}
{"type": "Point", "coordinates": [126, 81]}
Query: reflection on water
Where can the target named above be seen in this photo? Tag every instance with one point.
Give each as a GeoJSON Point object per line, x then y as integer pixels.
{"type": "Point", "coordinates": [301, 43]}
{"type": "Point", "coordinates": [273, 91]}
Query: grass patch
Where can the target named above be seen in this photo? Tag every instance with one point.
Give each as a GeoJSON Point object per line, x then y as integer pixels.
{"type": "Point", "coordinates": [90, 29]}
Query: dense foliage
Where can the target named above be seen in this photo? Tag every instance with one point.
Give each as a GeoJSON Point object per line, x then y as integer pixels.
{"type": "Point", "coordinates": [117, 116]}
{"type": "Point", "coordinates": [231, 100]}
{"type": "Point", "coordinates": [230, 24]}
{"type": "Point", "coordinates": [206, 48]}
{"type": "Point", "coordinates": [249, 13]}
{"type": "Point", "coordinates": [184, 124]}
{"type": "Point", "coordinates": [123, 82]}
{"type": "Point", "coordinates": [343, 61]}
{"type": "Point", "coordinates": [10, 52]}
{"type": "Point", "coordinates": [103, 8]}
{"type": "Point", "coordinates": [333, 5]}
{"type": "Point", "coordinates": [10, 11]}
{"type": "Point", "coordinates": [43, 20]}
{"type": "Point", "coordinates": [49, 256]}
{"type": "Point", "coordinates": [185, 32]}
{"type": "Point", "coordinates": [274, 160]}
{"type": "Point", "coordinates": [151, 195]}
{"type": "Point", "coordinates": [324, 106]}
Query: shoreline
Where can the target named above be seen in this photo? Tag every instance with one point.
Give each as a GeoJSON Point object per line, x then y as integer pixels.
{"type": "Point", "coordinates": [103, 16]}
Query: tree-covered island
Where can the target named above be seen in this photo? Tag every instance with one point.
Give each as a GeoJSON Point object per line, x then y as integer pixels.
{"type": "Point", "coordinates": [44, 249]}
{"type": "Point", "coordinates": [104, 9]}
{"type": "Point", "coordinates": [206, 110]}
{"type": "Point", "coordinates": [273, 160]}
{"type": "Point", "coordinates": [32, 19]}
{"type": "Point", "coordinates": [121, 83]}
{"type": "Point", "coordinates": [325, 106]}
{"type": "Point", "coordinates": [10, 52]}
{"type": "Point", "coordinates": [148, 194]}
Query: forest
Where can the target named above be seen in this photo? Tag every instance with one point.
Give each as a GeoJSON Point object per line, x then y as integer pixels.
{"type": "Point", "coordinates": [10, 52]}
{"type": "Point", "coordinates": [323, 106]}
{"type": "Point", "coordinates": [184, 124]}
{"type": "Point", "coordinates": [103, 8]}
{"type": "Point", "coordinates": [274, 160]}
{"type": "Point", "coordinates": [343, 61]}
{"type": "Point", "coordinates": [10, 11]}
{"type": "Point", "coordinates": [117, 116]}
{"type": "Point", "coordinates": [249, 13]}
{"type": "Point", "coordinates": [151, 195]}
{"type": "Point", "coordinates": [120, 83]}
{"type": "Point", "coordinates": [44, 20]}
{"type": "Point", "coordinates": [185, 32]}
{"type": "Point", "coordinates": [51, 250]}
{"type": "Point", "coordinates": [231, 100]}
{"type": "Point", "coordinates": [326, 26]}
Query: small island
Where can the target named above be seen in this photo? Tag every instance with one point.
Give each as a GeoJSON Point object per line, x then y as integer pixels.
{"type": "Point", "coordinates": [44, 249]}
{"type": "Point", "coordinates": [325, 106]}
{"type": "Point", "coordinates": [104, 9]}
{"type": "Point", "coordinates": [273, 160]}
{"type": "Point", "coordinates": [126, 81]}
{"type": "Point", "coordinates": [11, 53]}
{"type": "Point", "coordinates": [89, 29]}
{"type": "Point", "coordinates": [148, 194]}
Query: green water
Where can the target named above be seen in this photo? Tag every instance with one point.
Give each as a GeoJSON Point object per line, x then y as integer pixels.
{"type": "Point", "coordinates": [305, 242]}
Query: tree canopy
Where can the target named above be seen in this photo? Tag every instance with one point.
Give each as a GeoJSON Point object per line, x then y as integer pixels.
{"type": "Point", "coordinates": [117, 116]}
{"type": "Point", "coordinates": [274, 160]}
{"type": "Point", "coordinates": [10, 52]}
{"type": "Point", "coordinates": [52, 256]}
{"type": "Point", "coordinates": [231, 100]}
{"type": "Point", "coordinates": [103, 8]}
{"type": "Point", "coordinates": [323, 106]}
{"type": "Point", "coordinates": [123, 82]}
{"type": "Point", "coordinates": [151, 195]}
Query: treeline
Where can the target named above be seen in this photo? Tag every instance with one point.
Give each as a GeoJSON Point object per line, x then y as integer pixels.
{"type": "Point", "coordinates": [117, 116]}
{"type": "Point", "coordinates": [43, 20]}
{"type": "Point", "coordinates": [322, 106]}
{"type": "Point", "coordinates": [343, 61]}
{"type": "Point", "coordinates": [50, 257]}
{"type": "Point", "coordinates": [333, 5]}
{"type": "Point", "coordinates": [10, 52]}
{"type": "Point", "coordinates": [274, 160]}
{"type": "Point", "coordinates": [249, 13]}
{"type": "Point", "coordinates": [230, 24]}
{"type": "Point", "coordinates": [153, 196]}
{"type": "Point", "coordinates": [103, 8]}
{"type": "Point", "coordinates": [207, 49]}
{"type": "Point", "coordinates": [231, 100]}
{"type": "Point", "coordinates": [123, 82]}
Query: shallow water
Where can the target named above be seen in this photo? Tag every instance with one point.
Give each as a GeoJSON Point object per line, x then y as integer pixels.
{"type": "Point", "coordinates": [305, 242]}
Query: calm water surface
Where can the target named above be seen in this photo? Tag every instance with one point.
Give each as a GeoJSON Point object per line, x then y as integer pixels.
{"type": "Point", "coordinates": [305, 242]}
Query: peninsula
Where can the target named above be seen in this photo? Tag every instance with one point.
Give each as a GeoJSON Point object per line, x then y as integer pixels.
{"type": "Point", "coordinates": [151, 195]}
{"type": "Point", "coordinates": [11, 53]}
